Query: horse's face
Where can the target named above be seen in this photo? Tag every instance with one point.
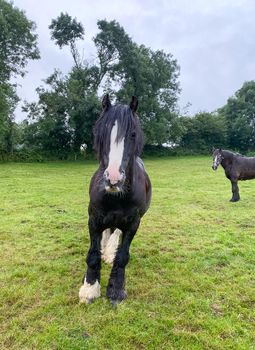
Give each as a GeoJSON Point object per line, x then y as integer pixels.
{"type": "Point", "coordinates": [114, 174]}
{"type": "Point", "coordinates": [217, 158]}
{"type": "Point", "coordinates": [118, 158]}
{"type": "Point", "coordinates": [122, 136]}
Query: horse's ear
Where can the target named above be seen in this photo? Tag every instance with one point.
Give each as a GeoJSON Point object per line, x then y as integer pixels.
{"type": "Point", "coordinates": [106, 103]}
{"type": "Point", "coordinates": [220, 149]}
{"type": "Point", "coordinates": [213, 149]}
{"type": "Point", "coordinates": [134, 104]}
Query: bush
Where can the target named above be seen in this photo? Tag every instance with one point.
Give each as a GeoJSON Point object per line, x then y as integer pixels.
{"type": "Point", "coordinates": [161, 151]}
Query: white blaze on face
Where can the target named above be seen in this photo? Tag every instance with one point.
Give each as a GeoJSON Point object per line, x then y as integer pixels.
{"type": "Point", "coordinates": [215, 162]}
{"type": "Point", "coordinates": [115, 156]}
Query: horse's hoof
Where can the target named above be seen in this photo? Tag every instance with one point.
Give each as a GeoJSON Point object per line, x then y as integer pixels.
{"type": "Point", "coordinates": [86, 301]}
{"type": "Point", "coordinates": [234, 199]}
{"type": "Point", "coordinates": [116, 296]}
{"type": "Point", "coordinates": [114, 303]}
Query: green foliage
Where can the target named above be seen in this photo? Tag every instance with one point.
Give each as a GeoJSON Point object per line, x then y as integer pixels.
{"type": "Point", "coordinates": [115, 51]}
{"type": "Point", "coordinates": [240, 116]}
{"type": "Point", "coordinates": [63, 118]}
{"type": "Point", "coordinates": [83, 106]}
{"type": "Point", "coordinates": [8, 128]}
{"type": "Point", "coordinates": [17, 46]}
{"type": "Point", "coordinates": [149, 75]}
{"type": "Point", "coordinates": [68, 106]}
{"type": "Point", "coordinates": [17, 41]}
{"type": "Point", "coordinates": [65, 30]}
{"type": "Point", "coordinates": [203, 132]}
{"type": "Point", "coordinates": [47, 128]}
{"type": "Point", "coordinates": [190, 277]}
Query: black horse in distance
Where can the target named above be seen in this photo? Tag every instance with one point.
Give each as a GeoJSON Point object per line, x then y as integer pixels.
{"type": "Point", "coordinates": [236, 166]}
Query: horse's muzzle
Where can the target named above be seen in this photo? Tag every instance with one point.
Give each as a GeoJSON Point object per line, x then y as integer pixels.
{"type": "Point", "coordinates": [114, 184]}
{"type": "Point", "coordinates": [112, 188]}
{"type": "Point", "coordinates": [214, 167]}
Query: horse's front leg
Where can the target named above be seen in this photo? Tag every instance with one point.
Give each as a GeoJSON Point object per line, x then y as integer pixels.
{"type": "Point", "coordinates": [90, 288]}
{"type": "Point", "coordinates": [235, 191]}
{"type": "Point", "coordinates": [116, 285]}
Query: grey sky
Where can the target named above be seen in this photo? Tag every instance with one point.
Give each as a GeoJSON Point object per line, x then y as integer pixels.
{"type": "Point", "coordinates": [212, 40]}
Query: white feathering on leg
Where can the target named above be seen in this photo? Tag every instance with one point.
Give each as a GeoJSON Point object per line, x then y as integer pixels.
{"type": "Point", "coordinates": [110, 249]}
{"type": "Point", "coordinates": [105, 238]}
{"type": "Point", "coordinates": [89, 292]}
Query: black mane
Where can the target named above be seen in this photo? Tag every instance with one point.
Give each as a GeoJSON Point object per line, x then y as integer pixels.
{"type": "Point", "coordinates": [128, 124]}
{"type": "Point", "coordinates": [232, 153]}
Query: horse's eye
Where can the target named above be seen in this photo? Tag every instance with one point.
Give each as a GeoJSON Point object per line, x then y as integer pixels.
{"type": "Point", "coordinates": [133, 134]}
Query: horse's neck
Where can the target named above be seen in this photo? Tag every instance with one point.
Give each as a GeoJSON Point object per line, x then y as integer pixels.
{"type": "Point", "coordinates": [227, 159]}
{"type": "Point", "coordinates": [132, 170]}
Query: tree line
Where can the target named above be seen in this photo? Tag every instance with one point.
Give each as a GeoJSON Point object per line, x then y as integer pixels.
{"type": "Point", "coordinates": [61, 121]}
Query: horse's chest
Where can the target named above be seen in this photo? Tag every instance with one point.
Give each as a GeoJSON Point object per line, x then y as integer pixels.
{"type": "Point", "coordinates": [118, 218]}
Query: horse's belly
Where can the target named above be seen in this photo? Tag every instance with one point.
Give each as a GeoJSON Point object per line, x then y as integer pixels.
{"type": "Point", "coordinates": [247, 174]}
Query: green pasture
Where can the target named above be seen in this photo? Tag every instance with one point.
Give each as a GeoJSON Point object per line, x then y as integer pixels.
{"type": "Point", "coordinates": [191, 276]}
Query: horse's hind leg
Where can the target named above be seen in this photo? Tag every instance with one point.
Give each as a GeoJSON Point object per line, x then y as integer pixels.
{"type": "Point", "coordinates": [109, 244]}
{"type": "Point", "coordinates": [90, 288]}
{"type": "Point", "coordinates": [115, 289]}
{"type": "Point", "coordinates": [235, 191]}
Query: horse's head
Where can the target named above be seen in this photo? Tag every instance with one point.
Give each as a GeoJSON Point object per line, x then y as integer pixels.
{"type": "Point", "coordinates": [217, 158]}
{"type": "Point", "coordinates": [118, 141]}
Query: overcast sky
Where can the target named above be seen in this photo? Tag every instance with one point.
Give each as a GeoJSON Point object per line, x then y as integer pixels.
{"type": "Point", "coordinates": [212, 40]}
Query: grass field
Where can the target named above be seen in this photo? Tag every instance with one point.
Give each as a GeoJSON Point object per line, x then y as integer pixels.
{"type": "Point", "coordinates": [190, 280]}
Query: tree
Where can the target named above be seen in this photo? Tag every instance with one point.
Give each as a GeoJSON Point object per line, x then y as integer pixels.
{"type": "Point", "coordinates": [240, 117]}
{"type": "Point", "coordinates": [47, 125]}
{"type": "Point", "coordinates": [137, 70]}
{"type": "Point", "coordinates": [17, 46]}
{"type": "Point", "coordinates": [18, 42]}
{"type": "Point", "coordinates": [63, 118]}
{"type": "Point", "coordinates": [83, 106]}
{"type": "Point", "coordinates": [203, 132]}
{"type": "Point", "coordinates": [8, 101]}
{"type": "Point", "coordinates": [123, 69]}
{"type": "Point", "coordinates": [65, 30]}
{"type": "Point", "coordinates": [81, 83]}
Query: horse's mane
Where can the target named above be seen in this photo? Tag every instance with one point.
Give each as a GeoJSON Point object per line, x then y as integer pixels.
{"type": "Point", "coordinates": [233, 153]}
{"type": "Point", "coordinates": [127, 123]}
{"type": "Point", "coordinates": [238, 154]}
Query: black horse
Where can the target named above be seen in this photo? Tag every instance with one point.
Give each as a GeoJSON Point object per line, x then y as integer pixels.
{"type": "Point", "coordinates": [236, 166]}
{"type": "Point", "coordinates": [120, 193]}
